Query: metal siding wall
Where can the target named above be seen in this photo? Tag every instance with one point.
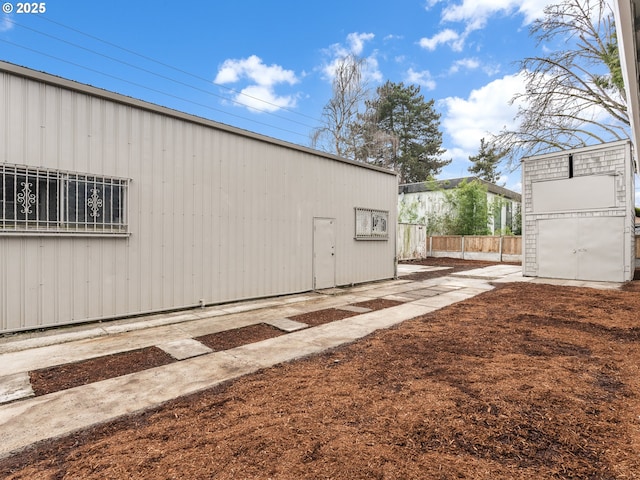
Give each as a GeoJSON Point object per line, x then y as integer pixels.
{"type": "Point", "coordinates": [174, 202]}
{"type": "Point", "coordinates": [211, 243]}
{"type": "Point", "coordinates": [212, 215]}
{"type": "Point", "coordinates": [276, 179]}
{"type": "Point", "coordinates": [252, 212]}
{"type": "Point", "coordinates": [46, 291]}
{"type": "Point", "coordinates": [13, 269]}
{"type": "Point", "coordinates": [224, 215]}
{"type": "Point", "coordinates": [192, 148]}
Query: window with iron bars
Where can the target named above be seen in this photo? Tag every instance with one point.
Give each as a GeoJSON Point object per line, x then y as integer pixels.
{"type": "Point", "coordinates": [34, 200]}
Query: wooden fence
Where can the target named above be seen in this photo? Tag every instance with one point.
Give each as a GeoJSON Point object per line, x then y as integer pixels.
{"type": "Point", "coordinates": [472, 247]}
{"type": "Point", "coordinates": [413, 242]}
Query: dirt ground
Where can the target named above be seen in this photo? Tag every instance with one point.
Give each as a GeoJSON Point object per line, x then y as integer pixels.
{"type": "Point", "coordinates": [525, 381]}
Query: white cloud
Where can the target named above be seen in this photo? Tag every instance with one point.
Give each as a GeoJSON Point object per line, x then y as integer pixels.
{"type": "Point", "coordinates": [475, 13]}
{"type": "Point", "coordinates": [392, 37]}
{"type": "Point", "coordinates": [465, 63]}
{"type": "Point", "coordinates": [355, 46]}
{"type": "Point", "coordinates": [473, 64]}
{"type": "Point", "coordinates": [423, 79]}
{"type": "Point", "coordinates": [491, 70]}
{"type": "Point", "coordinates": [447, 36]}
{"type": "Point", "coordinates": [356, 42]}
{"type": "Point", "coordinates": [262, 98]}
{"type": "Point", "coordinates": [255, 70]}
{"type": "Point", "coordinates": [486, 111]}
{"type": "Point", "coordinates": [371, 71]}
{"type": "Point", "coordinates": [431, 3]}
{"type": "Point", "coordinates": [260, 94]}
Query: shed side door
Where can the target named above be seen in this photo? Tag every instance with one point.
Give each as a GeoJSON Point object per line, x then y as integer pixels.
{"type": "Point", "coordinates": [324, 251]}
{"type": "Point", "coordinates": [601, 249]}
{"type": "Point", "coordinates": [557, 247]}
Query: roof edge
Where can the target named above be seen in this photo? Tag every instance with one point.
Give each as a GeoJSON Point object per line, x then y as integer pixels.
{"type": "Point", "coordinates": [450, 183]}
{"type": "Point", "coordinates": [599, 146]}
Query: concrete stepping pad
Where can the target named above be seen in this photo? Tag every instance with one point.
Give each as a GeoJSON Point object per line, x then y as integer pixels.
{"type": "Point", "coordinates": [443, 300]}
{"type": "Point", "coordinates": [422, 293]}
{"type": "Point", "coordinates": [408, 269]}
{"type": "Point", "coordinates": [353, 308]}
{"type": "Point", "coordinates": [399, 298]}
{"type": "Point", "coordinates": [15, 387]}
{"type": "Point", "coordinates": [491, 272]}
{"type": "Point", "coordinates": [286, 325]}
{"type": "Point", "coordinates": [185, 348]}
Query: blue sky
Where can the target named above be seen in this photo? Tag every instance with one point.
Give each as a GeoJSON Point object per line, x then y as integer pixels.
{"type": "Point", "coordinates": [265, 65]}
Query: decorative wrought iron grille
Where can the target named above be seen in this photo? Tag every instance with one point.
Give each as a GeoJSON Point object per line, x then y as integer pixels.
{"type": "Point", "coordinates": [40, 200]}
{"type": "Point", "coordinates": [372, 224]}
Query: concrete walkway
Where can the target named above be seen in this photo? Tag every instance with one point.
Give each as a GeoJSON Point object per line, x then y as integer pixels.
{"type": "Point", "coordinates": [26, 419]}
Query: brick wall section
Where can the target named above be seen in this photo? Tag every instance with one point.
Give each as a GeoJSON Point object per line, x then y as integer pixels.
{"type": "Point", "coordinates": [600, 160]}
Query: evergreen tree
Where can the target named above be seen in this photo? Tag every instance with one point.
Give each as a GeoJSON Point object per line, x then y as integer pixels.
{"type": "Point", "coordinates": [409, 126]}
{"type": "Point", "coordinates": [485, 163]}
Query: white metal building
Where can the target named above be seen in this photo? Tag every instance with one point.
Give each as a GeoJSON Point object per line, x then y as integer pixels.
{"type": "Point", "coordinates": [578, 215]}
{"type": "Point", "coordinates": [110, 207]}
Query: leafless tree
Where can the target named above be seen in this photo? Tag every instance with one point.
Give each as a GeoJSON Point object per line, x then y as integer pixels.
{"type": "Point", "coordinates": [575, 96]}
{"type": "Point", "coordinates": [341, 112]}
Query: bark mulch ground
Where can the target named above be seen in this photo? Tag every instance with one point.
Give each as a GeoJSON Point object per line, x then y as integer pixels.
{"type": "Point", "coordinates": [525, 381]}
{"type": "Point", "coordinates": [378, 303]}
{"type": "Point", "coordinates": [319, 317]}
{"type": "Point", "coordinates": [62, 377]}
{"type": "Point", "coordinates": [240, 336]}
{"type": "Point", "coordinates": [332, 314]}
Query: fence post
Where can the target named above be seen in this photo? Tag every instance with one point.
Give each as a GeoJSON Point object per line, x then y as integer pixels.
{"type": "Point", "coordinates": [501, 237]}
{"type": "Point", "coordinates": [463, 247]}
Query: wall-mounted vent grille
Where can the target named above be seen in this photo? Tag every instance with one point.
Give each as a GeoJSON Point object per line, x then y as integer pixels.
{"type": "Point", "coordinates": [372, 224]}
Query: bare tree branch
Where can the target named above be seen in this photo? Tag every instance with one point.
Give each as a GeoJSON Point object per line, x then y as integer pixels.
{"type": "Point", "coordinates": [572, 97]}
{"type": "Point", "coordinates": [339, 114]}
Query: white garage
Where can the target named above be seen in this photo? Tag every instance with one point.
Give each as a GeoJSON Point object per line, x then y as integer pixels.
{"type": "Point", "coordinates": [578, 216]}
{"type": "Point", "coordinates": [111, 207]}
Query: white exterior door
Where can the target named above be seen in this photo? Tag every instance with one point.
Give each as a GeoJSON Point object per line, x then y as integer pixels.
{"type": "Point", "coordinates": [557, 242]}
{"type": "Point", "coordinates": [324, 253]}
{"type": "Point", "coordinates": [601, 249]}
